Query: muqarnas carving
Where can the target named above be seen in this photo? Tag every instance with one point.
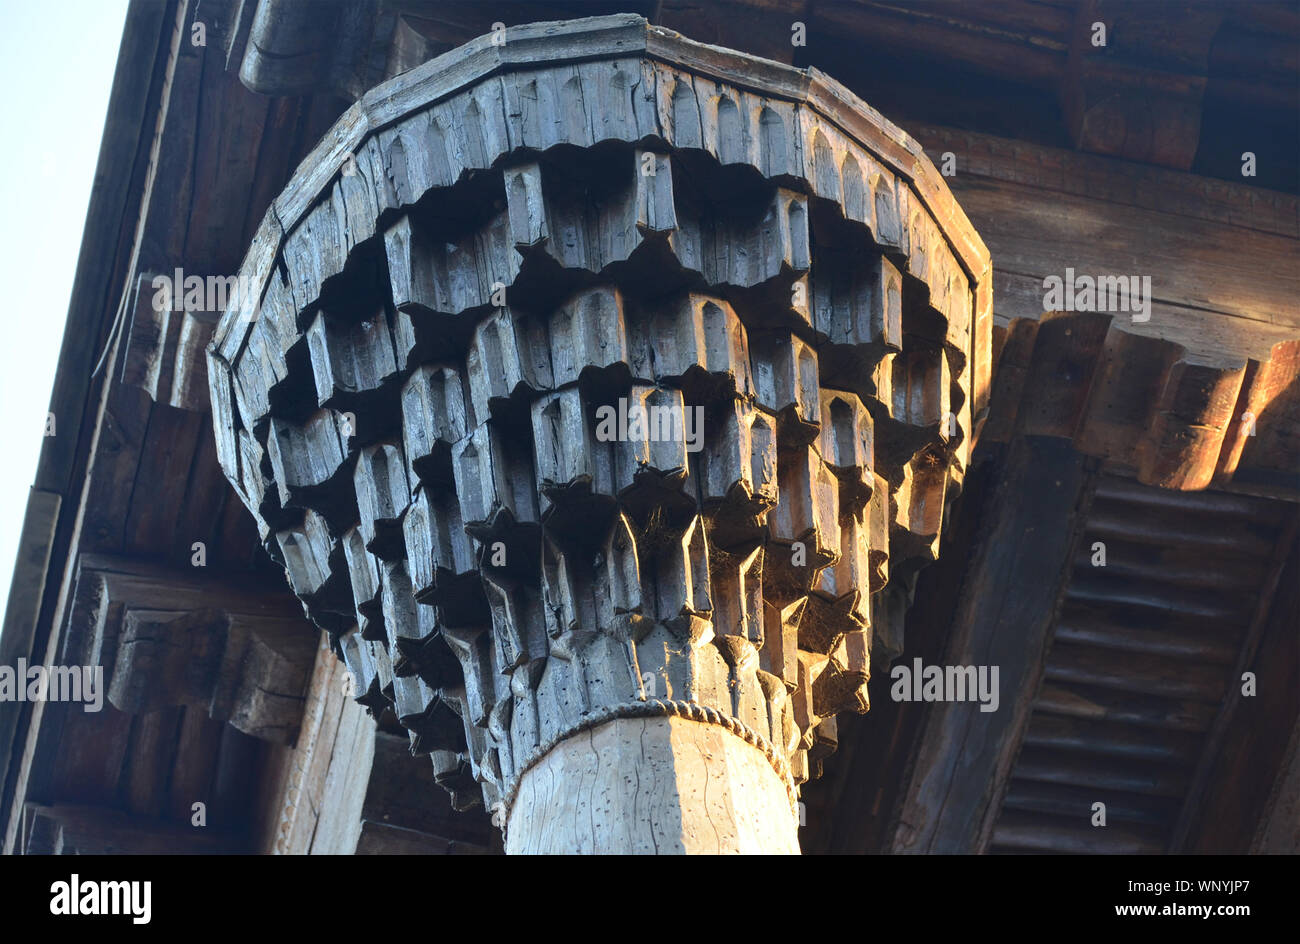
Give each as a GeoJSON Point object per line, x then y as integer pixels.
{"type": "Point", "coordinates": [450, 317]}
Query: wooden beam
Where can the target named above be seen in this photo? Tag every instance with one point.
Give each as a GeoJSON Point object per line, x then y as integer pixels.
{"type": "Point", "coordinates": [1244, 753]}
{"type": "Point", "coordinates": [18, 634]}
{"type": "Point", "coordinates": [70, 829]}
{"type": "Point", "coordinates": [1003, 618]}
{"type": "Point", "coordinates": [1279, 827]}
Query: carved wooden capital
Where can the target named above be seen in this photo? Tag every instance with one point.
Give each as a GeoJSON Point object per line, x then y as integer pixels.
{"type": "Point", "coordinates": [475, 283]}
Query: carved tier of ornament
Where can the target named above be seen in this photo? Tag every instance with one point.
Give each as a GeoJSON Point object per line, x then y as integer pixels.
{"type": "Point", "coordinates": [675, 226]}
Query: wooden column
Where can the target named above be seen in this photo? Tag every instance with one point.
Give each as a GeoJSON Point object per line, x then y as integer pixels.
{"type": "Point", "coordinates": [591, 388]}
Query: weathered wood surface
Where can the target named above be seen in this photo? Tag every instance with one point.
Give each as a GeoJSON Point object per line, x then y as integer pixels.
{"type": "Point", "coordinates": [698, 791]}
{"type": "Point", "coordinates": [1116, 103]}
{"type": "Point", "coordinates": [1093, 185]}
{"type": "Point", "coordinates": [1252, 730]}
{"type": "Point", "coordinates": [488, 252]}
{"type": "Point", "coordinates": [1141, 705]}
{"type": "Point", "coordinates": [165, 637]}
{"type": "Point", "coordinates": [1279, 829]}
{"type": "Point", "coordinates": [346, 787]}
{"type": "Point", "coordinates": [1205, 391]}
{"type": "Point", "coordinates": [1187, 424]}
{"type": "Point", "coordinates": [20, 619]}
{"type": "Point", "coordinates": [70, 829]}
{"type": "Point", "coordinates": [1003, 618]}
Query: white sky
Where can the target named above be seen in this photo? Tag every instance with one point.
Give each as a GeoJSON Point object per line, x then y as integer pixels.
{"type": "Point", "coordinates": [56, 70]}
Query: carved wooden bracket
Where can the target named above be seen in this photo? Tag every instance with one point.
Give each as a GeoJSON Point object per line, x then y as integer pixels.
{"type": "Point", "coordinates": [1135, 91]}
{"type": "Point", "coordinates": [166, 637]}
{"type": "Point", "coordinates": [1180, 419]}
{"type": "Point", "coordinates": [496, 254]}
{"type": "Point", "coordinates": [164, 351]}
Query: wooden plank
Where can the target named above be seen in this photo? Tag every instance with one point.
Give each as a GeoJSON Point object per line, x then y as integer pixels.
{"type": "Point", "coordinates": [194, 763]}
{"type": "Point", "coordinates": [1195, 265]}
{"type": "Point", "coordinates": [1049, 766]}
{"type": "Point", "coordinates": [146, 774]}
{"type": "Point", "coordinates": [343, 794]}
{"type": "Point", "coordinates": [91, 752]}
{"type": "Point", "coordinates": [1170, 193]}
{"type": "Point", "coordinates": [18, 634]}
{"type": "Point", "coordinates": [315, 762]}
{"type": "Point", "coordinates": [1174, 639]}
{"type": "Point", "coordinates": [1038, 833]}
{"type": "Point", "coordinates": [233, 784]}
{"type": "Point", "coordinates": [1081, 701]}
{"type": "Point", "coordinates": [201, 514]}
{"type": "Point", "coordinates": [1109, 739]}
{"type": "Point", "coordinates": [1076, 802]}
{"type": "Point", "coordinates": [121, 438]}
{"type": "Point", "coordinates": [161, 480]}
{"type": "Point", "coordinates": [1147, 675]}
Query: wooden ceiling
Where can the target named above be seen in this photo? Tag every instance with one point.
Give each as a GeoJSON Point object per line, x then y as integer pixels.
{"type": "Point", "coordinates": [1164, 610]}
{"type": "Point", "coordinates": [1189, 86]}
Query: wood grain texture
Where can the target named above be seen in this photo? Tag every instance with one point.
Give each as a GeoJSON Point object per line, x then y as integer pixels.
{"type": "Point", "coordinates": [697, 790]}
{"type": "Point", "coordinates": [166, 638]}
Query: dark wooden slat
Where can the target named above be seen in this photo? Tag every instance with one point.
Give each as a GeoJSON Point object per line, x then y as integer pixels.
{"type": "Point", "coordinates": [194, 762]}
{"type": "Point", "coordinates": [91, 752]}
{"type": "Point", "coordinates": [1081, 701]}
{"type": "Point", "coordinates": [1165, 638]}
{"type": "Point", "coordinates": [1020, 164]}
{"type": "Point", "coordinates": [1111, 739]}
{"type": "Point", "coordinates": [1176, 565]}
{"type": "Point", "coordinates": [1175, 526]}
{"type": "Point", "coordinates": [1146, 675]}
{"type": "Point", "coordinates": [1097, 586]}
{"type": "Point", "coordinates": [1201, 262]}
{"type": "Point", "coordinates": [118, 451]}
{"type": "Point", "coordinates": [1101, 773]}
{"type": "Point", "coordinates": [145, 774]}
{"type": "Point", "coordinates": [1032, 831]}
{"type": "Point", "coordinates": [942, 35]}
{"type": "Point", "coordinates": [1118, 489]}
{"type": "Point", "coordinates": [1075, 803]}
{"type": "Point", "coordinates": [162, 479]}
